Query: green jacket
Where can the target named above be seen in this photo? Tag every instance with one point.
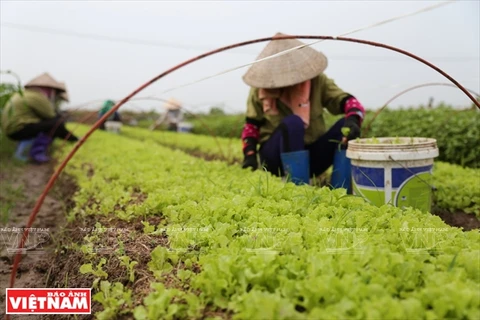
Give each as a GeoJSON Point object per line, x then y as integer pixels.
{"type": "Point", "coordinates": [31, 108]}
{"type": "Point", "coordinates": [324, 94]}
{"type": "Point", "coordinates": [107, 105]}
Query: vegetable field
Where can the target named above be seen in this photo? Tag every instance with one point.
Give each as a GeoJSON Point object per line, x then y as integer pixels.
{"type": "Point", "coordinates": [160, 233]}
{"type": "Point", "coordinates": [458, 188]}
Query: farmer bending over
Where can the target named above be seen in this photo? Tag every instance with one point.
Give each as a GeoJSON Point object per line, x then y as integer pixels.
{"type": "Point", "coordinates": [172, 116]}
{"type": "Point", "coordinates": [285, 109]}
{"type": "Point", "coordinates": [31, 115]}
{"type": "Point", "coordinates": [107, 105]}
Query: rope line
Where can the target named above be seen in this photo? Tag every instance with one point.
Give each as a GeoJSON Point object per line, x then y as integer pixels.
{"type": "Point", "coordinates": [435, 6]}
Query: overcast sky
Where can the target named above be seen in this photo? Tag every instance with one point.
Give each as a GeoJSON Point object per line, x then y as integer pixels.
{"type": "Point", "coordinates": [39, 36]}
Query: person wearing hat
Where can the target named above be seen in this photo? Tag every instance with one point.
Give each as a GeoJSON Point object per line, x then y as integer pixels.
{"type": "Point", "coordinates": [173, 116]}
{"type": "Point", "coordinates": [107, 105]}
{"type": "Point", "coordinates": [31, 115]}
{"type": "Point", "coordinates": [285, 107]}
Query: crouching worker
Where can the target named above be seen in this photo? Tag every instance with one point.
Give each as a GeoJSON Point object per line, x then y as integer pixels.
{"type": "Point", "coordinates": [285, 107]}
{"type": "Point", "coordinates": [172, 117]}
{"type": "Point", "coordinates": [107, 106]}
{"type": "Point", "coordinates": [31, 115]}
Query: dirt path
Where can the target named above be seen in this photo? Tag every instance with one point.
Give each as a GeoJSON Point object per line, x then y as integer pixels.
{"type": "Point", "coordinates": [29, 181]}
{"type": "Point", "coordinates": [458, 219]}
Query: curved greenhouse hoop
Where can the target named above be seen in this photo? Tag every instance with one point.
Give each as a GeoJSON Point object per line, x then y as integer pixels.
{"type": "Point", "coordinates": [430, 84]}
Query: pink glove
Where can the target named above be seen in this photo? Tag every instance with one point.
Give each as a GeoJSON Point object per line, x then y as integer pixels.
{"type": "Point", "coordinates": [354, 108]}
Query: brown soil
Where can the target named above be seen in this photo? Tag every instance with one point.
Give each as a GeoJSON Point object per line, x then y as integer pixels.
{"type": "Point", "coordinates": [126, 238]}
{"type": "Point", "coordinates": [458, 219]}
{"type": "Point", "coordinates": [31, 272]}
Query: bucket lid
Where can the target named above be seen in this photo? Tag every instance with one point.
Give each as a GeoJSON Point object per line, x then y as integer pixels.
{"type": "Point", "coordinates": [392, 148]}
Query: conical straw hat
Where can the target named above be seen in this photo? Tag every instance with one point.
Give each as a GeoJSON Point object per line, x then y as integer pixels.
{"type": "Point", "coordinates": [172, 104]}
{"type": "Point", "coordinates": [63, 86]}
{"type": "Point", "coordinates": [45, 80]}
{"type": "Point", "coordinates": [291, 68]}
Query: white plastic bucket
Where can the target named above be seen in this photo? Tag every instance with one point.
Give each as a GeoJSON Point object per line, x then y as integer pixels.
{"type": "Point", "coordinates": [113, 126]}
{"type": "Point", "coordinates": [393, 170]}
{"type": "Point", "coordinates": [185, 127]}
